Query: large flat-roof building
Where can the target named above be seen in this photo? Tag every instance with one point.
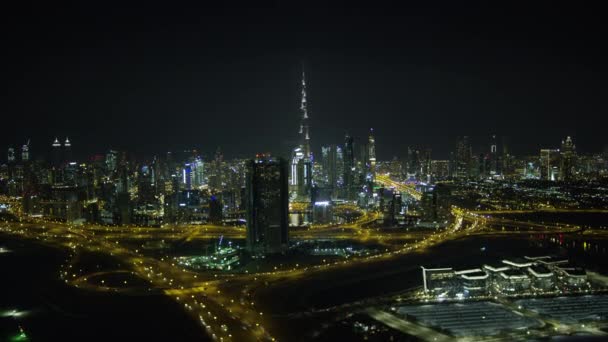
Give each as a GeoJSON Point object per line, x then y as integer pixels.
{"type": "Point", "coordinates": [513, 276]}
{"type": "Point", "coordinates": [439, 281]}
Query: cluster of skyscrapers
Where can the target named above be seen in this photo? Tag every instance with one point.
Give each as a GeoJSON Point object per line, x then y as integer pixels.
{"type": "Point", "coordinates": [343, 172]}
{"type": "Point", "coordinates": [266, 191]}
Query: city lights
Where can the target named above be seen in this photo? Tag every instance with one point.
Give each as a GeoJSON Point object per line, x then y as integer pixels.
{"type": "Point", "coordinates": [180, 173]}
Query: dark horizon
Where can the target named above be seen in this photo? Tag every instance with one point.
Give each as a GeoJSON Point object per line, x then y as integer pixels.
{"type": "Point", "coordinates": [151, 79]}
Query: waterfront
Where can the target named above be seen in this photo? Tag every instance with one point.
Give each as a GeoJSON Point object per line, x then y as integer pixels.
{"type": "Point", "coordinates": [303, 301]}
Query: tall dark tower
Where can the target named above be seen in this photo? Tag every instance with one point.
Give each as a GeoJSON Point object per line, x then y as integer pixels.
{"type": "Point", "coordinates": [25, 152]}
{"type": "Point", "coordinates": [568, 159]}
{"type": "Point", "coordinates": [57, 163]}
{"type": "Point", "coordinates": [10, 157]}
{"type": "Point", "coordinates": [216, 177]}
{"type": "Point", "coordinates": [463, 158]}
{"type": "Point", "coordinates": [371, 146]}
{"type": "Point", "coordinates": [267, 205]}
{"type": "Point", "coordinates": [349, 165]}
{"type": "Point", "coordinates": [494, 157]}
{"type": "Point", "coordinates": [56, 153]}
{"type": "Point", "coordinates": [67, 150]}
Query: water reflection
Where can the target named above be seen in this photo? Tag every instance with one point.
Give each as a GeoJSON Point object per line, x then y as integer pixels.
{"type": "Point", "coordinates": [575, 244]}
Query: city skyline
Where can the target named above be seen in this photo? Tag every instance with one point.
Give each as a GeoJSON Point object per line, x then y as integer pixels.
{"type": "Point", "coordinates": [298, 172]}
{"type": "Point", "coordinates": [479, 145]}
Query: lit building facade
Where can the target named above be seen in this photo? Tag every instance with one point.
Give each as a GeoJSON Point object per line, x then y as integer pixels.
{"type": "Point", "coordinates": [300, 177]}
{"type": "Point", "coordinates": [549, 164]}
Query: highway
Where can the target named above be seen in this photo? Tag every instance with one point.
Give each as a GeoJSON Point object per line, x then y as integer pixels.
{"type": "Point", "coordinates": [222, 304]}
{"type": "Point", "coordinates": [401, 187]}
{"type": "Point", "coordinates": [223, 316]}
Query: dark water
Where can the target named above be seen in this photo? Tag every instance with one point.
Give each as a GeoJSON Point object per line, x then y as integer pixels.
{"type": "Point", "coordinates": [588, 251]}
{"type": "Point", "coordinates": [343, 285]}
{"type": "Point", "coordinates": [58, 312]}
{"type": "Point", "coordinates": [589, 220]}
{"type": "Point", "coordinates": [376, 279]}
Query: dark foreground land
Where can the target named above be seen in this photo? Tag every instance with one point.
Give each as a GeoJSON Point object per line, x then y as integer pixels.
{"type": "Point", "coordinates": [57, 312]}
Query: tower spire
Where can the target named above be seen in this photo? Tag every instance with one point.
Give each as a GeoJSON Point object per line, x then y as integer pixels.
{"type": "Point", "coordinates": [303, 106]}
{"type": "Point", "coordinates": [301, 163]}
{"type": "Point", "coordinates": [304, 128]}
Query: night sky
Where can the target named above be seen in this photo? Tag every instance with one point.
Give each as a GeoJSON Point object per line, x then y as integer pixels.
{"type": "Point", "coordinates": [153, 77]}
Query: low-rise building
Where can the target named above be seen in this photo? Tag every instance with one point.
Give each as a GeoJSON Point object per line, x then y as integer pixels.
{"type": "Point", "coordinates": [572, 277]}
{"type": "Point", "coordinates": [542, 277]}
{"type": "Point", "coordinates": [513, 276]}
{"type": "Point", "coordinates": [474, 282]}
{"type": "Point", "coordinates": [440, 281]}
{"type": "Point", "coordinates": [512, 281]}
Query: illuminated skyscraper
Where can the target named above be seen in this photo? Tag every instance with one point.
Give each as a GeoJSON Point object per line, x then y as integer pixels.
{"type": "Point", "coordinates": [301, 163]}
{"type": "Point", "coordinates": [463, 157]}
{"type": "Point", "coordinates": [198, 171]}
{"type": "Point", "coordinates": [296, 176]}
{"type": "Point", "coordinates": [187, 176]}
{"type": "Point", "coordinates": [216, 177]}
{"type": "Point", "coordinates": [568, 159]}
{"type": "Point", "coordinates": [145, 185]}
{"type": "Point", "coordinates": [371, 145]}
{"type": "Point", "coordinates": [111, 159]}
{"type": "Point", "coordinates": [339, 166]}
{"type": "Point", "coordinates": [267, 205]}
{"type": "Point", "coordinates": [304, 126]}
{"type": "Point", "coordinates": [549, 164]}
{"type": "Point", "coordinates": [349, 167]}
{"type": "Point", "coordinates": [414, 166]}
{"type": "Point", "coordinates": [329, 156]}
{"type": "Point", "coordinates": [10, 155]}
{"type": "Point", "coordinates": [25, 152]}
{"type": "Point", "coordinates": [494, 165]}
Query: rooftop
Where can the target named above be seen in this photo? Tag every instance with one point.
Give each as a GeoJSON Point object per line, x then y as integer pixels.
{"type": "Point", "coordinates": [468, 271]}
{"type": "Point", "coordinates": [496, 267]}
{"type": "Point", "coordinates": [513, 273]}
{"type": "Point", "coordinates": [540, 271]}
{"type": "Point", "coordinates": [517, 262]}
{"type": "Point", "coordinates": [475, 275]}
{"type": "Point", "coordinates": [552, 260]}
